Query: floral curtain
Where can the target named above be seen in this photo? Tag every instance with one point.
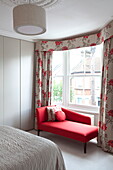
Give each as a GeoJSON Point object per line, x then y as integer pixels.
{"type": "Point", "coordinates": [43, 78]}
{"type": "Point", "coordinates": [77, 42]}
{"type": "Point", "coordinates": [105, 136]}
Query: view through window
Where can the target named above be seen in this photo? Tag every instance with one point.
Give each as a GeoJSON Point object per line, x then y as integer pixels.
{"type": "Point", "coordinates": [77, 76]}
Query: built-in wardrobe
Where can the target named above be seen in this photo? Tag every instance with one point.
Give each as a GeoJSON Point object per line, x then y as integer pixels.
{"type": "Point", "coordinates": [16, 83]}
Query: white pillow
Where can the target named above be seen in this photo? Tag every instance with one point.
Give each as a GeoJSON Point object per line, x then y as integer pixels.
{"type": "Point", "coordinates": [51, 112]}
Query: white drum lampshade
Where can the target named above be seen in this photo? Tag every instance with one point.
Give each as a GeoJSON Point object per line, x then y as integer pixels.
{"type": "Point", "coordinates": [29, 19]}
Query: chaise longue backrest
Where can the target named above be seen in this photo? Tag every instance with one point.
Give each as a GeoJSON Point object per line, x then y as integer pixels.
{"type": "Point", "coordinates": [77, 117]}
{"type": "Point", "coordinates": [70, 115]}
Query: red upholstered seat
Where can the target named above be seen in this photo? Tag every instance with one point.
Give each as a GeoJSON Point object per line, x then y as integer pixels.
{"type": "Point", "coordinates": [75, 126]}
{"type": "Point", "coordinates": [78, 131]}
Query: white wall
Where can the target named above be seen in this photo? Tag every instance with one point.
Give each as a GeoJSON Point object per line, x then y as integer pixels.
{"type": "Point", "coordinates": [11, 81]}
{"type": "Point", "coordinates": [27, 89]}
{"type": "Point", "coordinates": [1, 80]}
{"type": "Point", "coordinates": [16, 83]}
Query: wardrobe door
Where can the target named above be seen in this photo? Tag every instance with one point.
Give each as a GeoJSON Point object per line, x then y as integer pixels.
{"type": "Point", "coordinates": [12, 82]}
{"type": "Point", "coordinates": [1, 80]}
{"type": "Point", "coordinates": [27, 87]}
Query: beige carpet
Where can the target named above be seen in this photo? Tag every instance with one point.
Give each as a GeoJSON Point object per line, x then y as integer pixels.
{"type": "Point", "coordinates": [74, 157]}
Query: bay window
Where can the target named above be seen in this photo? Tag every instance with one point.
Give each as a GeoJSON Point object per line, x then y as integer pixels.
{"type": "Point", "coordinates": [77, 77]}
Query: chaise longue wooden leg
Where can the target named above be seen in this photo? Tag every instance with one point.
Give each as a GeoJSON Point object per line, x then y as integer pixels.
{"type": "Point", "coordinates": [85, 144]}
{"type": "Point", "coordinates": [38, 132]}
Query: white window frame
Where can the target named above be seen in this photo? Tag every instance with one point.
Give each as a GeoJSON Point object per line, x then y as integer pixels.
{"type": "Point", "coordinates": [65, 93]}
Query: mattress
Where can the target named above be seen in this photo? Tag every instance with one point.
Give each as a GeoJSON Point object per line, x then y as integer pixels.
{"type": "Point", "coordinates": [20, 150]}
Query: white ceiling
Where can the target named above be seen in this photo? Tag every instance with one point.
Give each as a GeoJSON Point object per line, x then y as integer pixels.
{"type": "Point", "coordinates": [66, 18]}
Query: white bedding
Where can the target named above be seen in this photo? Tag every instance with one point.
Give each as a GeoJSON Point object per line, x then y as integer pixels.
{"type": "Point", "coordinates": [20, 150]}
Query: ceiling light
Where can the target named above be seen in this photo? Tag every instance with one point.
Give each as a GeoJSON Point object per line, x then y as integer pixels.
{"type": "Point", "coordinates": [29, 19]}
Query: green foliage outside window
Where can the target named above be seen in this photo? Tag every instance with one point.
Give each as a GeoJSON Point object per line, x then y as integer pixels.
{"type": "Point", "coordinates": [57, 91]}
{"type": "Point", "coordinates": [71, 95]}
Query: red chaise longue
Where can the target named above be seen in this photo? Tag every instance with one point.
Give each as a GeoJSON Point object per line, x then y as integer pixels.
{"type": "Point", "coordinates": [76, 126]}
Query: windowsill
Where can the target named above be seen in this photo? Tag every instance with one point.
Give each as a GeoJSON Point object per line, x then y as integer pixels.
{"type": "Point", "coordinates": [87, 111]}
{"type": "Point", "coordinates": [80, 108]}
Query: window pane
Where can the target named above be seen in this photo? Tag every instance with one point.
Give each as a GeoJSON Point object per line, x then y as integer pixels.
{"type": "Point", "coordinates": [85, 90]}
{"type": "Point", "coordinates": [85, 60]}
{"type": "Point", "coordinates": [85, 75]}
{"type": "Point", "coordinates": [57, 65]}
{"type": "Point", "coordinates": [76, 58]}
{"type": "Point", "coordinates": [57, 89]}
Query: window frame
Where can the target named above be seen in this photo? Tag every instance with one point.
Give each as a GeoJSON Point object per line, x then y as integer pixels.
{"type": "Point", "coordinates": [66, 88]}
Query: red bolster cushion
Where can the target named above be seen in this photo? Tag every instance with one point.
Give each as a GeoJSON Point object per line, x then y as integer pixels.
{"type": "Point", "coordinates": [60, 116]}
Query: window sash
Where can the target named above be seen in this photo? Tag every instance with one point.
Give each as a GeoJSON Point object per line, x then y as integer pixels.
{"type": "Point", "coordinates": [66, 85]}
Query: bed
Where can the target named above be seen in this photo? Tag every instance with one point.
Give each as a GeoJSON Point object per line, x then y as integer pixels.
{"type": "Point", "coordinates": [21, 150]}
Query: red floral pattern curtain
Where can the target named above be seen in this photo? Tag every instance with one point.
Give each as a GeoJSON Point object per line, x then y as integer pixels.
{"type": "Point", "coordinates": [43, 78]}
{"type": "Point", "coordinates": [105, 137]}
